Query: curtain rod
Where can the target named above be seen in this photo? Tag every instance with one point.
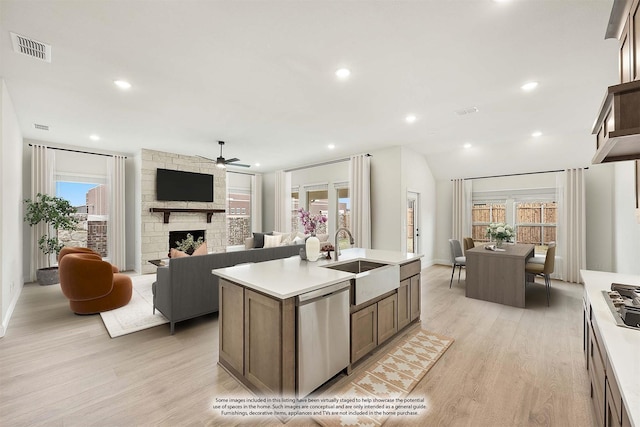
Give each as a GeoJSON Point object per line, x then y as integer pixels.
{"type": "Point", "coordinates": [79, 151]}
{"type": "Point", "coordinates": [516, 174]}
{"type": "Point", "coordinates": [330, 162]}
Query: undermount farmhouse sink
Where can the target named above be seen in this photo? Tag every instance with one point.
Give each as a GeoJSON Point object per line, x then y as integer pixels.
{"type": "Point", "coordinates": [372, 278]}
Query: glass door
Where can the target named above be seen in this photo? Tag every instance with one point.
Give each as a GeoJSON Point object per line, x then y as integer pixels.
{"type": "Point", "coordinates": [413, 231]}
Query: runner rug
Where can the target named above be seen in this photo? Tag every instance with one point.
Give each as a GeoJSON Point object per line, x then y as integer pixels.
{"type": "Point", "coordinates": [138, 314]}
{"type": "Point", "coordinates": [394, 375]}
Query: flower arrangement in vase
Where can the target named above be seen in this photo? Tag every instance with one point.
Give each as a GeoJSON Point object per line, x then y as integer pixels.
{"type": "Point", "coordinates": [500, 232]}
{"type": "Point", "coordinates": [310, 222]}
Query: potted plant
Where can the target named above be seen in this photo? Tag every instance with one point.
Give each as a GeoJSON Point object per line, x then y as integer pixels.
{"type": "Point", "coordinates": [57, 214]}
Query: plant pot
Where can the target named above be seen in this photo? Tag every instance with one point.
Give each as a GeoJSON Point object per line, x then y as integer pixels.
{"type": "Point", "coordinates": [47, 276]}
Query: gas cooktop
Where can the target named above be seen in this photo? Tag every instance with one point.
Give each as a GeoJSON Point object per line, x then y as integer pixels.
{"type": "Point", "coordinates": [624, 303]}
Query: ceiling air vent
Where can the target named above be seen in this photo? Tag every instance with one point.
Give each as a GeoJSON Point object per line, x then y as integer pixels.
{"type": "Point", "coordinates": [30, 47]}
{"type": "Point", "coordinates": [40, 127]}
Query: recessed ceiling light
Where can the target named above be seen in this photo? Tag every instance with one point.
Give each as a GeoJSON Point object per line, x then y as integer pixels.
{"type": "Point", "coordinates": [257, 164]}
{"type": "Point", "coordinates": [94, 137]}
{"type": "Point", "coordinates": [536, 134]}
{"type": "Point", "coordinates": [411, 118]}
{"type": "Point", "coordinates": [467, 145]}
{"type": "Point", "coordinates": [122, 84]}
{"type": "Point", "coordinates": [343, 73]}
{"type": "Point", "coordinates": [331, 146]}
{"type": "Point", "coordinates": [529, 86]}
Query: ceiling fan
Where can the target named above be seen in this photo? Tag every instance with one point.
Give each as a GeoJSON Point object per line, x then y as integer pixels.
{"type": "Point", "coordinates": [221, 162]}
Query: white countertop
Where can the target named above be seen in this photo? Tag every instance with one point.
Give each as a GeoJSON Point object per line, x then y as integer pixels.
{"type": "Point", "coordinates": [290, 277]}
{"type": "Point", "coordinates": [622, 344]}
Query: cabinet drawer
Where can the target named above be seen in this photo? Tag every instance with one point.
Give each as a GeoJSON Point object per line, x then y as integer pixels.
{"type": "Point", "coordinates": [597, 375]}
{"type": "Point", "coordinates": [614, 415]}
{"type": "Point", "coordinates": [409, 269]}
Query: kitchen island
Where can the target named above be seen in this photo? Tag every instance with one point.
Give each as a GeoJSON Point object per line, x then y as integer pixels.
{"type": "Point", "coordinates": [261, 315]}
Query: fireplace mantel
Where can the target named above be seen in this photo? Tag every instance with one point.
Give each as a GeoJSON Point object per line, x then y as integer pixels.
{"type": "Point", "coordinates": [168, 211]}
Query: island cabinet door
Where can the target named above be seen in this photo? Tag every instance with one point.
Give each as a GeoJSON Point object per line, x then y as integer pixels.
{"type": "Point", "coordinates": [364, 331]}
{"type": "Point", "coordinates": [387, 318]}
{"type": "Point", "coordinates": [231, 333]}
{"type": "Point", "coordinates": [404, 304]}
{"type": "Point", "coordinates": [269, 357]}
{"type": "Point", "coordinates": [415, 297]}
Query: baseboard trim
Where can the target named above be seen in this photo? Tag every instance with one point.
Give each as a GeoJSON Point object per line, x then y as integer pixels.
{"type": "Point", "coordinates": [5, 321]}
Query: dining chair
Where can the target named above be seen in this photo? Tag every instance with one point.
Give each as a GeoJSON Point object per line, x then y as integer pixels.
{"type": "Point", "coordinates": [457, 259]}
{"type": "Point", "coordinates": [468, 244]}
{"type": "Point", "coordinates": [545, 270]}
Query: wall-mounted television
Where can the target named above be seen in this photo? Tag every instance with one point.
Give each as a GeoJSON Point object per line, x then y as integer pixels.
{"type": "Point", "coordinates": [173, 185]}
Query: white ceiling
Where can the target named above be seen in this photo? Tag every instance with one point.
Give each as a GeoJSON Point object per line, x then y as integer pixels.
{"type": "Point", "coordinates": [260, 76]}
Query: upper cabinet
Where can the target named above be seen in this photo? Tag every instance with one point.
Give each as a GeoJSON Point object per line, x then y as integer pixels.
{"type": "Point", "coordinates": [617, 127]}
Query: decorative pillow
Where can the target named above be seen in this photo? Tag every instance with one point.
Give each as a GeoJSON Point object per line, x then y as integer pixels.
{"type": "Point", "coordinates": [272, 241]}
{"type": "Point", "coordinates": [323, 237]}
{"type": "Point", "coordinates": [258, 239]}
{"type": "Point", "coordinates": [201, 250]}
{"type": "Point", "coordinates": [298, 240]}
{"type": "Point", "coordinates": [175, 253]}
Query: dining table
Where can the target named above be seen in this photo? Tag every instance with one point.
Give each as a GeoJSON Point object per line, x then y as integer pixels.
{"type": "Point", "coordinates": [498, 274]}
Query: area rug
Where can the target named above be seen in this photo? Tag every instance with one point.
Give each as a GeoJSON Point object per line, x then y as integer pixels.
{"type": "Point", "coordinates": [392, 377]}
{"type": "Point", "coordinates": [138, 314]}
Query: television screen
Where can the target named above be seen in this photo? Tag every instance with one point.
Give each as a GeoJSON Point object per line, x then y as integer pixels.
{"type": "Point", "coordinates": [173, 185]}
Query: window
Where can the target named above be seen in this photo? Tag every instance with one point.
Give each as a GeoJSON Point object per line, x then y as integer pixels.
{"type": "Point", "coordinates": [536, 223]}
{"type": "Point", "coordinates": [239, 208]}
{"type": "Point", "coordinates": [318, 203]}
{"type": "Point", "coordinates": [91, 203]}
{"type": "Point", "coordinates": [344, 216]}
{"type": "Point", "coordinates": [484, 213]}
{"type": "Point", "coordinates": [295, 205]}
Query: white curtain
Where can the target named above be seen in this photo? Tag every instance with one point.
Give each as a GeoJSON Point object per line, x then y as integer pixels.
{"type": "Point", "coordinates": [571, 231]}
{"type": "Point", "coordinates": [256, 202]}
{"type": "Point", "coordinates": [462, 200]}
{"type": "Point", "coordinates": [42, 181]}
{"type": "Point", "coordinates": [282, 219]}
{"type": "Point", "coordinates": [116, 244]}
{"type": "Point", "coordinates": [360, 195]}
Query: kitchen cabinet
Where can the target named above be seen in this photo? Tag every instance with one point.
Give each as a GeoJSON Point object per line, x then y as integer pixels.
{"type": "Point", "coordinates": [409, 294]}
{"type": "Point", "coordinates": [364, 331]}
{"type": "Point", "coordinates": [256, 336]}
{"type": "Point", "coordinates": [605, 392]}
{"type": "Point", "coordinates": [415, 297]}
{"type": "Point", "coordinates": [231, 315]}
{"type": "Point", "coordinates": [617, 125]}
{"type": "Point", "coordinates": [387, 318]}
{"type": "Point", "coordinates": [404, 303]}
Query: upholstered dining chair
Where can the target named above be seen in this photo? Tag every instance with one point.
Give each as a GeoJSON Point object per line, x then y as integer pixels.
{"type": "Point", "coordinates": [545, 270]}
{"type": "Point", "coordinates": [468, 244]}
{"type": "Point", "coordinates": [457, 259]}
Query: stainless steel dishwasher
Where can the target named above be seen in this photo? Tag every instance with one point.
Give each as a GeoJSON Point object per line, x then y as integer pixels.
{"type": "Point", "coordinates": [323, 335]}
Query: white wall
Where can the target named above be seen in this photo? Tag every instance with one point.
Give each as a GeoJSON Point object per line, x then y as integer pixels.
{"type": "Point", "coordinates": [11, 209]}
{"type": "Point", "coordinates": [387, 207]}
{"type": "Point", "coordinates": [626, 251]}
{"type": "Point", "coordinates": [599, 194]}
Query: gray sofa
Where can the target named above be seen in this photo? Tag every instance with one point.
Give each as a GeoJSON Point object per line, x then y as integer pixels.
{"type": "Point", "coordinates": [186, 288]}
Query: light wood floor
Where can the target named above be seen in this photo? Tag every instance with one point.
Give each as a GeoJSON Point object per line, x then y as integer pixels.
{"type": "Point", "coordinates": [507, 367]}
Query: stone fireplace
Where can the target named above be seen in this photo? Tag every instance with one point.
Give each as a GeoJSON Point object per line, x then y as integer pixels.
{"type": "Point", "coordinates": [155, 232]}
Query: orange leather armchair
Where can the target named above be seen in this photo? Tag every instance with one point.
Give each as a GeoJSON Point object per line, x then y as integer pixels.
{"type": "Point", "coordinates": [91, 285]}
{"type": "Point", "coordinates": [66, 250]}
